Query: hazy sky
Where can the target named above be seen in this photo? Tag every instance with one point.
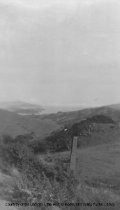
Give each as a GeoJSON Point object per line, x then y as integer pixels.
{"type": "Point", "coordinates": [61, 52]}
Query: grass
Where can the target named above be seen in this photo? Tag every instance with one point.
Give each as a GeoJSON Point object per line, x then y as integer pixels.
{"type": "Point", "coordinates": [99, 166]}
{"type": "Point", "coordinates": [46, 177]}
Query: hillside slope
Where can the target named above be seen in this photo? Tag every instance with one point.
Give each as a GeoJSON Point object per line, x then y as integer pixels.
{"type": "Point", "coordinates": [76, 116]}
{"type": "Point", "coordinates": [99, 165]}
{"type": "Point", "coordinates": [42, 125]}
{"type": "Point", "coordinates": [14, 124]}
{"type": "Point", "coordinates": [98, 154]}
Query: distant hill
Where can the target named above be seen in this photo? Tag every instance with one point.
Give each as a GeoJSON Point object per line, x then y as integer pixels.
{"type": "Point", "coordinates": [22, 108]}
{"type": "Point", "coordinates": [25, 108]}
{"type": "Point", "coordinates": [115, 106]}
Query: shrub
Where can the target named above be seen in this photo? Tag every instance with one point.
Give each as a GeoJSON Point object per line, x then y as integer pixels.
{"type": "Point", "coordinates": [39, 146]}
{"type": "Point", "coordinates": [15, 151]}
{"type": "Point", "coordinates": [59, 141]}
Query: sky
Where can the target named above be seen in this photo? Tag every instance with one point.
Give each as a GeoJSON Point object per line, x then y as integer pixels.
{"type": "Point", "coordinates": [60, 52]}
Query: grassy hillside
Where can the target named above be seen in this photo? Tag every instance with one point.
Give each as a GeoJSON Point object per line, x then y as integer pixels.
{"type": "Point", "coordinates": [98, 166]}
{"type": "Point", "coordinates": [102, 128]}
{"type": "Point", "coordinates": [76, 116]}
{"type": "Point", "coordinates": [14, 124]}
{"type": "Point", "coordinates": [35, 176]}
{"type": "Point", "coordinates": [28, 176]}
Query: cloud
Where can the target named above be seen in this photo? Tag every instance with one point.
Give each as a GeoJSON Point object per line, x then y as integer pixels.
{"type": "Point", "coordinates": [67, 52]}
{"type": "Point", "coordinates": [45, 4]}
{"type": "Point", "coordinates": [40, 4]}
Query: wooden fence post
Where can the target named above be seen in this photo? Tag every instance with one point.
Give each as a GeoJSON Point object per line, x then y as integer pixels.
{"type": "Point", "coordinates": [73, 157]}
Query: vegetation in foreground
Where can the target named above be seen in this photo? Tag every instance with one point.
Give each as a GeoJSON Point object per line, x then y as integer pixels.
{"type": "Point", "coordinates": [45, 177]}
{"type": "Point", "coordinates": [35, 180]}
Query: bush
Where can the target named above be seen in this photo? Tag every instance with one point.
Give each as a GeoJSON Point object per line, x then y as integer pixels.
{"type": "Point", "coordinates": [39, 146]}
{"type": "Point", "coordinates": [15, 152]}
{"type": "Point", "coordinates": [59, 141]}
